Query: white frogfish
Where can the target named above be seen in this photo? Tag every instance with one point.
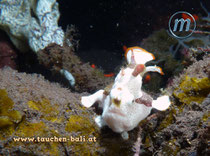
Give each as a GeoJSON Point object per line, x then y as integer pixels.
{"type": "Point", "coordinates": [124, 104]}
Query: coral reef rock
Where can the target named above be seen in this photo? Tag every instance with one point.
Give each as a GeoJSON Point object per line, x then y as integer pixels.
{"type": "Point", "coordinates": [87, 79]}
{"type": "Point", "coordinates": [184, 128]}
{"type": "Point", "coordinates": [33, 108]}
{"type": "Point", "coordinates": [31, 22]}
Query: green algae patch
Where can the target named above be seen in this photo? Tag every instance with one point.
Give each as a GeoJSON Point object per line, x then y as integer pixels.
{"type": "Point", "coordinates": [206, 117]}
{"type": "Point", "coordinates": [84, 148]}
{"type": "Point", "coordinates": [80, 124]}
{"type": "Point", "coordinates": [49, 111]}
{"type": "Point", "coordinates": [171, 148]}
{"type": "Point", "coordinates": [38, 129]}
{"type": "Point", "coordinates": [32, 131]}
{"type": "Point", "coordinates": [168, 120]}
{"type": "Point", "coordinates": [148, 142]}
{"type": "Point", "coordinates": [5, 121]}
{"type": "Point", "coordinates": [8, 116]}
{"type": "Point", "coordinates": [85, 128]}
{"type": "Point", "coordinates": [27, 129]}
{"type": "Point", "coordinates": [192, 89]}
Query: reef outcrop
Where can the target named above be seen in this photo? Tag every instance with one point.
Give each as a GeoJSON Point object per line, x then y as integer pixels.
{"type": "Point", "coordinates": [31, 23]}
{"type": "Point", "coordinates": [33, 108]}
{"type": "Point", "coordinates": [183, 129]}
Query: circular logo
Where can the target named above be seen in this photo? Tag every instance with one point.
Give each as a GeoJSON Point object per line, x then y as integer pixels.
{"type": "Point", "coordinates": [182, 24]}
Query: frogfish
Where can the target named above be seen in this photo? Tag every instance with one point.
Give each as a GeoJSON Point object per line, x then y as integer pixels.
{"type": "Point", "coordinates": [123, 102]}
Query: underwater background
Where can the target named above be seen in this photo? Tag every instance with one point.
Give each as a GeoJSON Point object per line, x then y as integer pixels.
{"type": "Point", "coordinates": [54, 52]}
{"type": "Point", "coordinates": [107, 25]}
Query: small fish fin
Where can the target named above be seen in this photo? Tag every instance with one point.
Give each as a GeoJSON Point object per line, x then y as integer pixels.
{"type": "Point", "coordinates": [141, 55]}
{"type": "Point", "coordinates": [162, 103]}
{"type": "Point", "coordinates": [161, 71]}
{"type": "Point", "coordinates": [88, 101]}
{"type": "Point", "coordinates": [154, 69]}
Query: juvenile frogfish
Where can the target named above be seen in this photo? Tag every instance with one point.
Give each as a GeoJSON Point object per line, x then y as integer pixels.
{"type": "Point", "coordinates": [124, 104]}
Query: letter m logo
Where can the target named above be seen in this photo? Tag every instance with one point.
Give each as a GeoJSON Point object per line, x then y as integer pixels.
{"type": "Point", "coordinates": [182, 23]}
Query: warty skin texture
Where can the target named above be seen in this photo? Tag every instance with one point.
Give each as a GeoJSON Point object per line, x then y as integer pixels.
{"type": "Point", "coordinates": [125, 104]}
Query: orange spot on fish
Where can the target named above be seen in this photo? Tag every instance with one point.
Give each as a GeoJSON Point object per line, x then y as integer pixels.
{"type": "Point", "coordinates": [109, 75]}
{"type": "Point", "coordinates": [185, 16]}
{"type": "Point", "coordinates": [147, 78]}
{"type": "Point", "coordinates": [93, 66]}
